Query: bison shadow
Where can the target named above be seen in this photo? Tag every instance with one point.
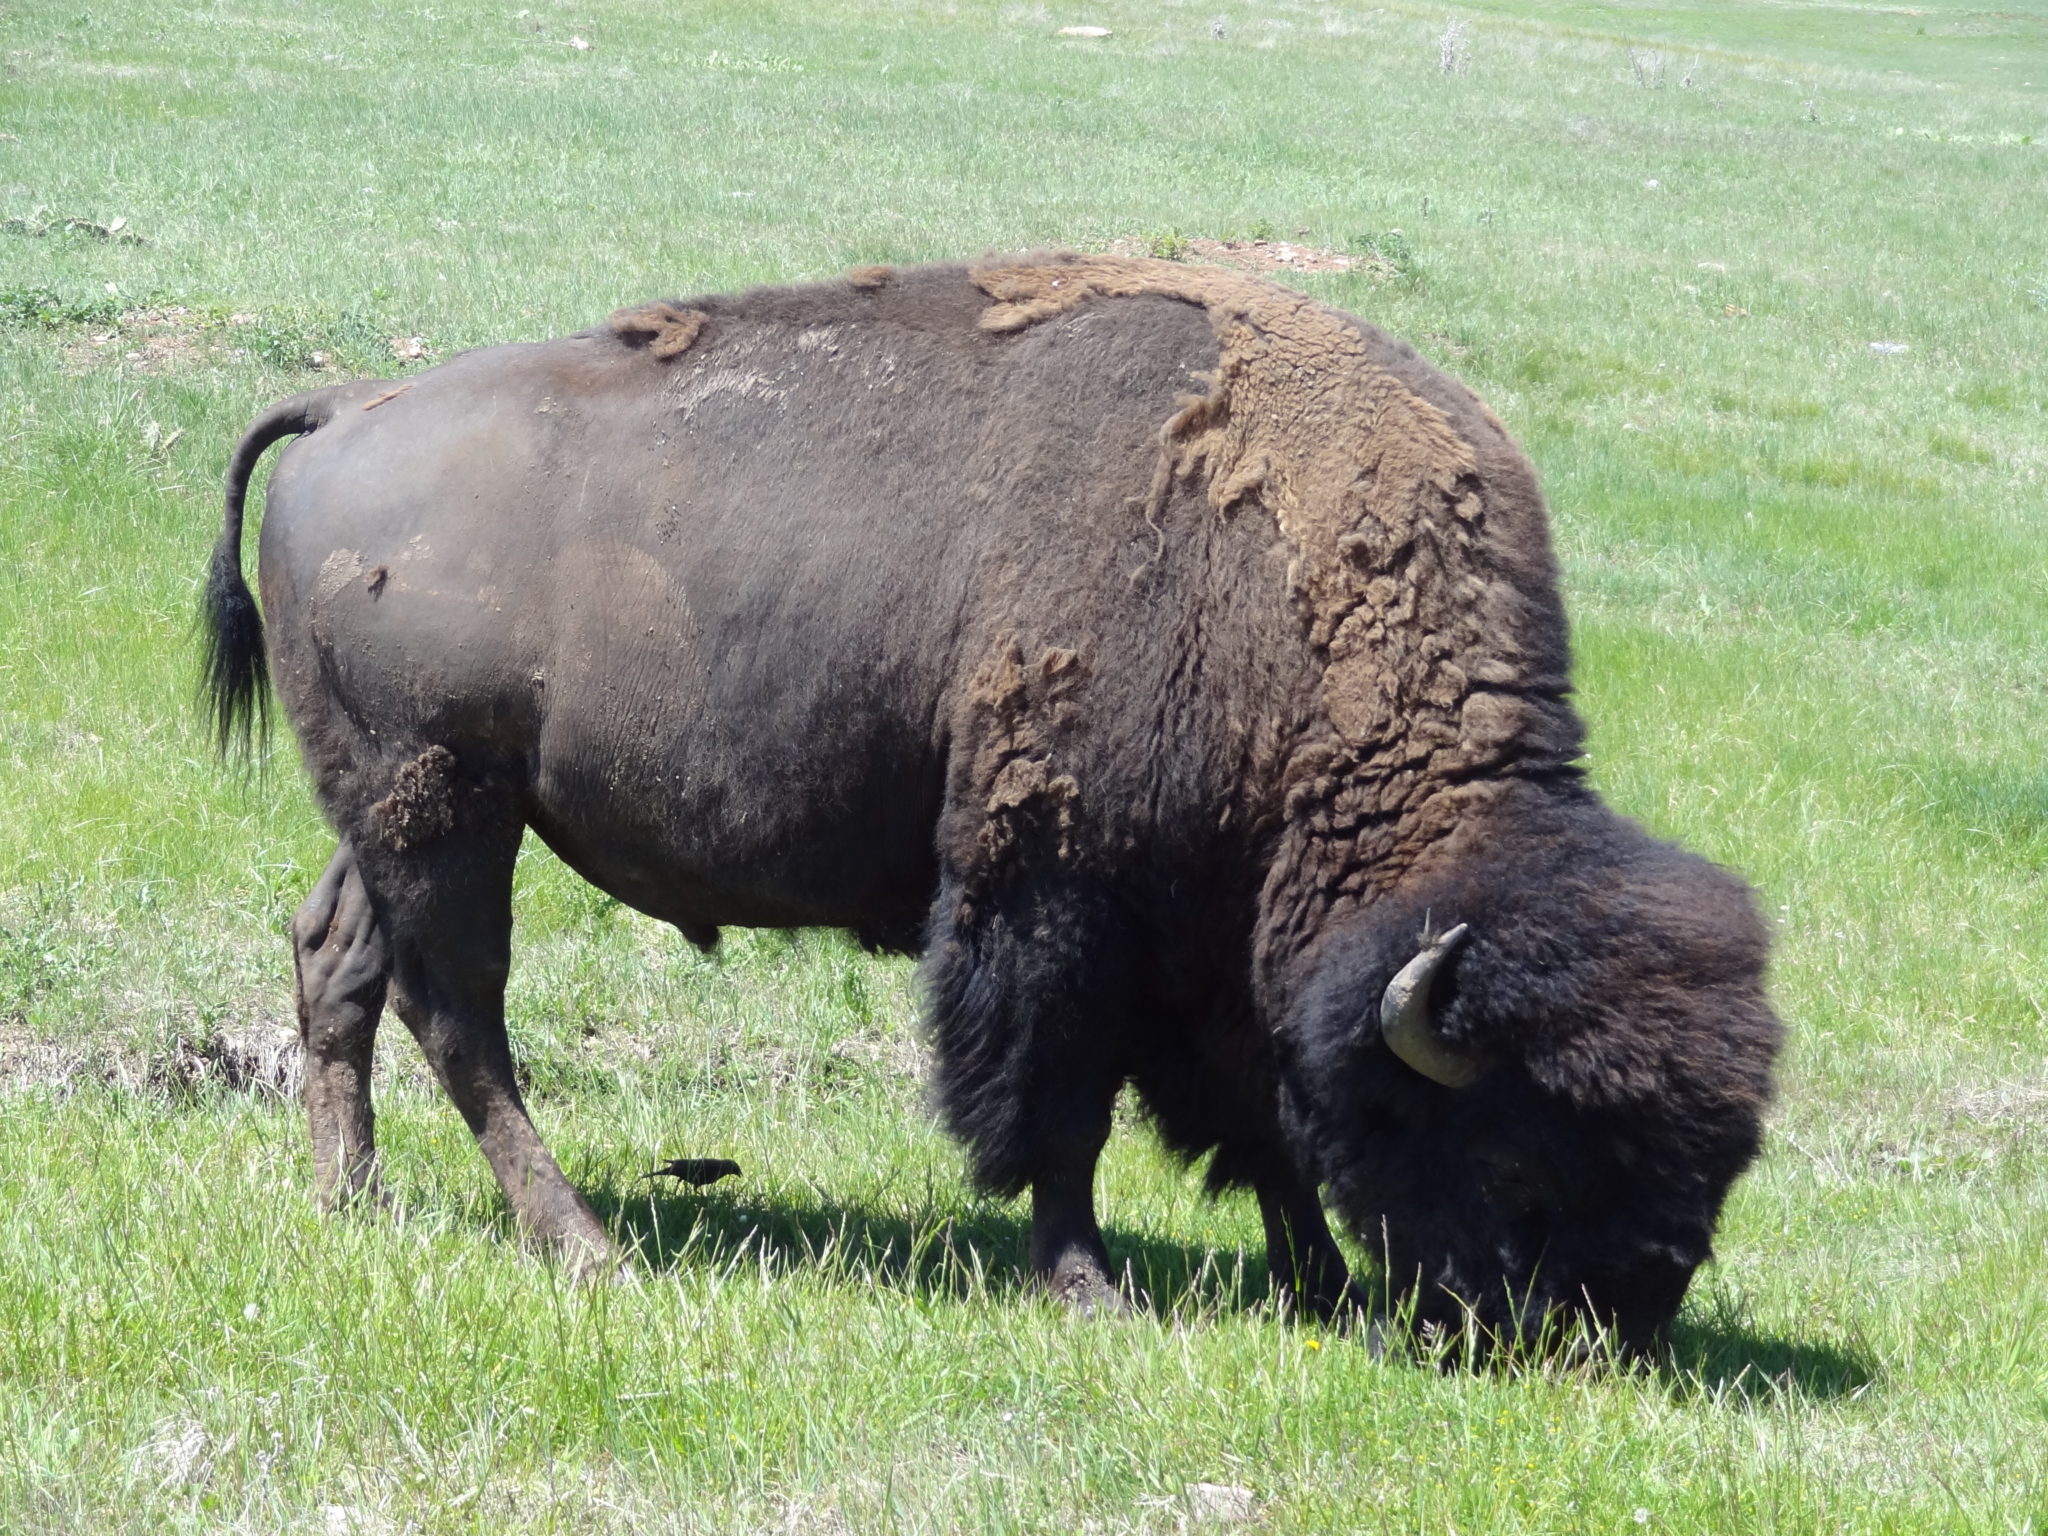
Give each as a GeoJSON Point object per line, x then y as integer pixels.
{"type": "Point", "coordinates": [942, 1252]}
{"type": "Point", "coordinates": [935, 1251]}
{"type": "Point", "coordinates": [1724, 1357]}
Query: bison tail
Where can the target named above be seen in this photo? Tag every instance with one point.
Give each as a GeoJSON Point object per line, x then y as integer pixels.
{"type": "Point", "coordinates": [234, 674]}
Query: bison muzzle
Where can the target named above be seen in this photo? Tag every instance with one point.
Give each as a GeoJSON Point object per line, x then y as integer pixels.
{"type": "Point", "coordinates": [1177, 663]}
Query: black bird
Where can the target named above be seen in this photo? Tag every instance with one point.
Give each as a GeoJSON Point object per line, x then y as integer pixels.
{"type": "Point", "coordinates": [695, 1171]}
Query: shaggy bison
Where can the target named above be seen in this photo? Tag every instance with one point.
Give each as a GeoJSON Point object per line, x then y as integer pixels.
{"type": "Point", "coordinates": [1178, 664]}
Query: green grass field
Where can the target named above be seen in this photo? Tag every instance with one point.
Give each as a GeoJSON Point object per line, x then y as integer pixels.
{"type": "Point", "coordinates": [1811, 611]}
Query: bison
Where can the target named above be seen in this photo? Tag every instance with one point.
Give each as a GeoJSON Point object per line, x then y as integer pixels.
{"type": "Point", "coordinates": [1176, 663]}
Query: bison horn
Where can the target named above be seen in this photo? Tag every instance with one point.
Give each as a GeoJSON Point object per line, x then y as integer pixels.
{"type": "Point", "coordinates": [1404, 1017]}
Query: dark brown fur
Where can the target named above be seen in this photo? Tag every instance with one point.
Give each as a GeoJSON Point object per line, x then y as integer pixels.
{"type": "Point", "coordinates": [1154, 648]}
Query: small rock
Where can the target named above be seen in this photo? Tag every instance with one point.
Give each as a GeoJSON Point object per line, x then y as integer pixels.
{"type": "Point", "coordinates": [579, 45]}
{"type": "Point", "coordinates": [1085, 32]}
{"type": "Point", "coordinates": [1219, 1504]}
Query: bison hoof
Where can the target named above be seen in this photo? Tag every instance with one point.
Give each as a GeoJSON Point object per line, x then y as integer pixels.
{"type": "Point", "coordinates": [1087, 1292]}
{"type": "Point", "coordinates": [588, 1259]}
{"type": "Point", "coordinates": [361, 1190]}
{"type": "Point", "coordinates": [1379, 1343]}
{"type": "Point", "coordinates": [1350, 1311]}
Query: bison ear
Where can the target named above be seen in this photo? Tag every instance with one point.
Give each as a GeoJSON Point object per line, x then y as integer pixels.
{"type": "Point", "coordinates": [1405, 1021]}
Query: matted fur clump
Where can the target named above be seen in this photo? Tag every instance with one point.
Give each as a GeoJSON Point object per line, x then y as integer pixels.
{"type": "Point", "coordinates": [665, 330]}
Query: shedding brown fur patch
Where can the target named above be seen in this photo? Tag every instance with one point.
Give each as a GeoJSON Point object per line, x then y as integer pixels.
{"type": "Point", "coordinates": [1421, 624]}
{"type": "Point", "coordinates": [869, 277]}
{"type": "Point", "coordinates": [421, 805]}
{"type": "Point", "coordinates": [666, 330]}
{"type": "Point", "coordinates": [1016, 709]}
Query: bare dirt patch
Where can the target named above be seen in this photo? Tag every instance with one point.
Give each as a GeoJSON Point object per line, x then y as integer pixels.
{"type": "Point", "coordinates": [154, 341]}
{"type": "Point", "coordinates": [2021, 1105]}
{"type": "Point", "coordinates": [259, 1057]}
{"type": "Point", "coordinates": [1264, 257]}
{"type": "Point", "coordinates": [895, 1053]}
{"type": "Point", "coordinates": [163, 338]}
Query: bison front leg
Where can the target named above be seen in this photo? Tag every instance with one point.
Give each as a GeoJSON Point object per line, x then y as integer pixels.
{"type": "Point", "coordinates": [1025, 1020]}
{"type": "Point", "coordinates": [342, 966]}
{"type": "Point", "coordinates": [1068, 1256]}
{"type": "Point", "coordinates": [448, 902]}
{"type": "Point", "coordinates": [1307, 1268]}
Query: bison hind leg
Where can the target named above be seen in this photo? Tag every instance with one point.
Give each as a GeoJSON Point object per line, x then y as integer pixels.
{"type": "Point", "coordinates": [342, 965]}
{"type": "Point", "coordinates": [436, 858]}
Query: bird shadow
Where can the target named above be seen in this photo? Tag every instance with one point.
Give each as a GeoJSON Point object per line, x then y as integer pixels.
{"type": "Point", "coordinates": [933, 1250]}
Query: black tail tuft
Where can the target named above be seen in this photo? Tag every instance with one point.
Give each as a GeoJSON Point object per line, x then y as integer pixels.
{"type": "Point", "coordinates": [234, 673]}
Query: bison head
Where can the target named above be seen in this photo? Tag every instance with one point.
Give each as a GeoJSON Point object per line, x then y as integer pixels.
{"type": "Point", "coordinates": [1529, 1077]}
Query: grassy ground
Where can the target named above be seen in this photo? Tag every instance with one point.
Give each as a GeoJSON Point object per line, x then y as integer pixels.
{"type": "Point", "coordinates": [1812, 617]}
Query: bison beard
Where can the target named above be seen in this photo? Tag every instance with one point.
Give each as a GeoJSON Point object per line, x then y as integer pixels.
{"type": "Point", "coordinates": [1178, 663]}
